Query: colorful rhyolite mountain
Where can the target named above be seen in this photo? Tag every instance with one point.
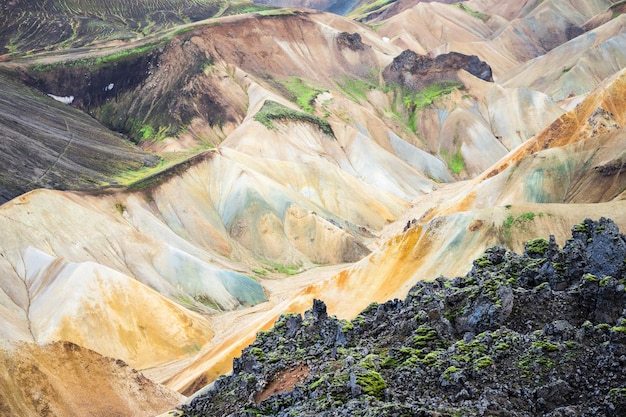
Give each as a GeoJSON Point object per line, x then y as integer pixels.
{"type": "Point", "coordinates": [194, 184]}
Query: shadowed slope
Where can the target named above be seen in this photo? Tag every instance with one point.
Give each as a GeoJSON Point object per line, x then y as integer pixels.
{"type": "Point", "coordinates": [195, 91]}
{"type": "Point", "coordinates": [56, 147]}
{"type": "Point", "coordinates": [197, 82]}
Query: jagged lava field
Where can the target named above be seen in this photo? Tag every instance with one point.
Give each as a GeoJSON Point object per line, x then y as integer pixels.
{"type": "Point", "coordinates": [365, 207]}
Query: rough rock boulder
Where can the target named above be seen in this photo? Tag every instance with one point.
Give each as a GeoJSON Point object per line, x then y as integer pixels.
{"type": "Point", "coordinates": [414, 71]}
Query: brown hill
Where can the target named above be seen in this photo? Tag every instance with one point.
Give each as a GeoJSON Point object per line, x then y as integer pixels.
{"type": "Point", "coordinates": [65, 379]}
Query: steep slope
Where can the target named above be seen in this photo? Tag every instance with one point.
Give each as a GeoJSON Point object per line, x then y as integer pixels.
{"type": "Point", "coordinates": [428, 25]}
{"type": "Point", "coordinates": [57, 148]}
{"type": "Point", "coordinates": [26, 26]}
{"type": "Point", "coordinates": [575, 67]}
{"type": "Point", "coordinates": [197, 80]}
{"type": "Point", "coordinates": [195, 91]}
{"type": "Point", "coordinates": [565, 163]}
{"type": "Point", "coordinates": [109, 261]}
{"type": "Point", "coordinates": [454, 224]}
{"type": "Point", "coordinates": [61, 378]}
{"type": "Point", "coordinates": [372, 11]}
{"type": "Point", "coordinates": [508, 10]}
{"type": "Point", "coordinates": [601, 112]}
{"type": "Point", "coordinates": [547, 26]}
{"type": "Point", "coordinates": [477, 29]}
{"type": "Point", "coordinates": [227, 212]}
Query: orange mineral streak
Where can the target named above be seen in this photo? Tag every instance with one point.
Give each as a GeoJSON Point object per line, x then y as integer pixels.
{"type": "Point", "coordinates": [572, 126]}
{"type": "Point", "coordinates": [345, 294]}
{"type": "Point", "coordinates": [385, 274]}
{"type": "Point", "coordinates": [465, 204]}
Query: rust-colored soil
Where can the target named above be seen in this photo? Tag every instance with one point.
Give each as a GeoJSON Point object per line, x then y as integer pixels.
{"type": "Point", "coordinates": [283, 382]}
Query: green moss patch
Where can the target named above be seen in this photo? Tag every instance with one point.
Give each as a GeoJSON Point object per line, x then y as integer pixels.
{"type": "Point", "coordinates": [304, 94]}
{"type": "Point", "coordinates": [431, 93]}
{"type": "Point", "coordinates": [372, 383]}
{"type": "Point", "coordinates": [272, 111]}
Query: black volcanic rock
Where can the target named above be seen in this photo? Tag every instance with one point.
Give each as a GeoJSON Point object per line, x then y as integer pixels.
{"type": "Point", "coordinates": [541, 333]}
{"type": "Point", "coordinates": [351, 41]}
{"type": "Point", "coordinates": [415, 71]}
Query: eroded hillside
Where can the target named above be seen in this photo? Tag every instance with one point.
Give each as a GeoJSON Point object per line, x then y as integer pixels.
{"type": "Point", "coordinates": [244, 165]}
{"type": "Point", "coordinates": [62, 378]}
{"type": "Point", "coordinates": [27, 27]}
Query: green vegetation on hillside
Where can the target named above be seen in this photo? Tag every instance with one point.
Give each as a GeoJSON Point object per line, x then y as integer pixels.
{"type": "Point", "coordinates": [520, 222]}
{"type": "Point", "coordinates": [363, 12]}
{"type": "Point", "coordinates": [96, 61]}
{"type": "Point", "coordinates": [618, 8]}
{"type": "Point", "coordinates": [303, 93]}
{"type": "Point", "coordinates": [413, 102]}
{"type": "Point", "coordinates": [29, 28]}
{"type": "Point", "coordinates": [147, 176]}
{"type": "Point", "coordinates": [430, 94]}
{"type": "Point", "coordinates": [455, 161]}
{"type": "Point", "coordinates": [281, 269]}
{"type": "Point", "coordinates": [474, 13]}
{"type": "Point", "coordinates": [355, 88]}
{"type": "Point", "coordinates": [272, 110]}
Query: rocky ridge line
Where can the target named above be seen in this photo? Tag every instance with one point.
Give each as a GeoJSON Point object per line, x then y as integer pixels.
{"type": "Point", "coordinates": [541, 333]}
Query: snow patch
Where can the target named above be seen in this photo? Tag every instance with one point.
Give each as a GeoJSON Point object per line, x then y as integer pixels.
{"type": "Point", "coordinates": [66, 100]}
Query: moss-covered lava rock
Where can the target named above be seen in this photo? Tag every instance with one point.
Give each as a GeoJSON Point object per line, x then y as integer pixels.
{"type": "Point", "coordinates": [541, 333]}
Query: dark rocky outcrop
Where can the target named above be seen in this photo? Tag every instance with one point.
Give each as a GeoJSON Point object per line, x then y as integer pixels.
{"type": "Point", "coordinates": [415, 72]}
{"type": "Point", "coordinates": [351, 41]}
{"type": "Point", "coordinates": [541, 333]}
